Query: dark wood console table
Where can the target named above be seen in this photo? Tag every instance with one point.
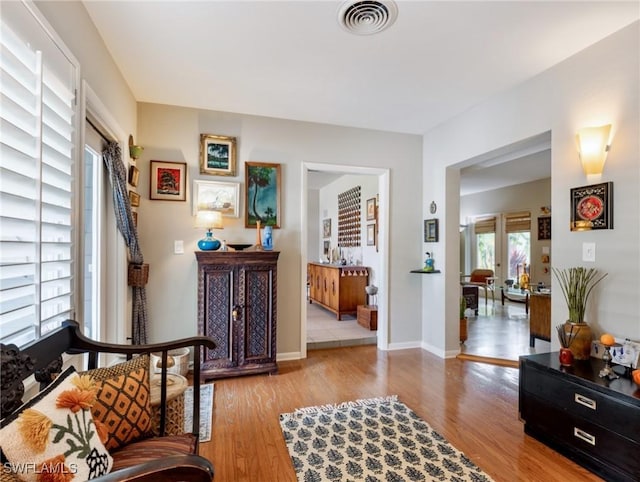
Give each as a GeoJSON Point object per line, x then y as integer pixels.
{"type": "Point", "coordinates": [593, 421]}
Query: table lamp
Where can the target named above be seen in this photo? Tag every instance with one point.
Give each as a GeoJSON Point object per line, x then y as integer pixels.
{"type": "Point", "coordinates": [209, 220]}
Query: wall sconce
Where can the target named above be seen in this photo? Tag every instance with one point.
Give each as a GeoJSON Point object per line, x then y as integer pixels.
{"type": "Point", "coordinates": [593, 146]}
{"type": "Point", "coordinates": [209, 220]}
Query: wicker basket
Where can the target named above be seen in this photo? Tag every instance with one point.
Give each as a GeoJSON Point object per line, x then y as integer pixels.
{"type": "Point", "coordinates": [138, 274]}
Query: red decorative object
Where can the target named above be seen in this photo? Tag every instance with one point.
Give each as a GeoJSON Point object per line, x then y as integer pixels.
{"type": "Point", "coordinates": [566, 357]}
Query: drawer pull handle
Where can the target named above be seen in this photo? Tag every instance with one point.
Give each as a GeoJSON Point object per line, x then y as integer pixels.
{"type": "Point", "coordinates": [587, 402]}
{"type": "Point", "coordinates": [582, 435]}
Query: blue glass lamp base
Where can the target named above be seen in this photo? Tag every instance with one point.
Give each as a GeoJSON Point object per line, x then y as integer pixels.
{"type": "Point", "coordinates": [209, 243]}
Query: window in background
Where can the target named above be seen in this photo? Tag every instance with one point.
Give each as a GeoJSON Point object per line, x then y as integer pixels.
{"type": "Point", "coordinates": [518, 230]}
{"type": "Point", "coordinates": [485, 231]}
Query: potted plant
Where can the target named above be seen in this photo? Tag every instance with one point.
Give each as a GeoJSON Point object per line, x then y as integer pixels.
{"type": "Point", "coordinates": [463, 320]}
{"type": "Point", "coordinates": [576, 284]}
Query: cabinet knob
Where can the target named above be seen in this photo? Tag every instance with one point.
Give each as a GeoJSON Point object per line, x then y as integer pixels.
{"type": "Point", "coordinates": [235, 313]}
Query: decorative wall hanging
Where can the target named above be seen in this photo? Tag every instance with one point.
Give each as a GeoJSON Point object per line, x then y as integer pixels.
{"type": "Point", "coordinates": [134, 174]}
{"type": "Point", "coordinates": [168, 181]}
{"type": "Point", "coordinates": [371, 209]}
{"type": "Point", "coordinates": [431, 230]}
{"type": "Point", "coordinates": [592, 207]}
{"type": "Point", "coordinates": [263, 194]}
{"type": "Point", "coordinates": [134, 199]}
{"type": "Point", "coordinates": [544, 228]}
{"type": "Point", "coordinates": [371, 234]}
{"type": "Point", "coordinates": [216, 196]}
{"type": "Point", "coordinates": [217, 155]}
{"type": "Point", "coordinates": [326, 228]}
{"type": "Point", "coordinates": [349, 227]}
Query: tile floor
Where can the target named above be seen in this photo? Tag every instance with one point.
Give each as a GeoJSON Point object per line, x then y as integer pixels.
{"type": "Point", "coordinates": [500, 332]}
{"type": "Point", "coordinates": [324, 330]}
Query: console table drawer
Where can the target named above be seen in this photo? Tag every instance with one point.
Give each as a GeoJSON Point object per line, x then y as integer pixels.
{"type": "Point", "coordinates": [583, 402]}
{"type": "Point", "coordinates": [603, 448]}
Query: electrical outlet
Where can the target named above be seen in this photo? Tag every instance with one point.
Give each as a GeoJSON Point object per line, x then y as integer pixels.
{"type": "Point", "coordinates": [178, 246]}
{"type": "Point", "coordinates": [589, 252]}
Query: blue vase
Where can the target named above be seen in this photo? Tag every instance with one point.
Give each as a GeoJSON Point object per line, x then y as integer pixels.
{"type": "Point", "coordinates": [209, 243]}
{"type": "Point", "coordinates": [267, 238]}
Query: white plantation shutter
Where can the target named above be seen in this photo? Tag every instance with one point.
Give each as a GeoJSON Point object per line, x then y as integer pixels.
{"type": "Point", "coordinates": [36, 181]}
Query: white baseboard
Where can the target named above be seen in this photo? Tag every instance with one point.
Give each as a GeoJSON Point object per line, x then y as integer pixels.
{"type": "Point", "coordinates": [294, 355]}
{"type": "Point", "coordinates": [438, 352]}
{"type": "Point", "coordinates": [403, 345]}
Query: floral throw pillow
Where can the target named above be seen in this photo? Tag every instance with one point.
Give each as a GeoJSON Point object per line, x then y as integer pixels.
{"type": "Point", "coordinates": [53, 436]}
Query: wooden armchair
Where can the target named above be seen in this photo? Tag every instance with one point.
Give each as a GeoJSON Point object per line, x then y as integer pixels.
{"type": "Point", "coordinates": [150, 458]}
{"type": "Point", "coordinates": [482, 278]}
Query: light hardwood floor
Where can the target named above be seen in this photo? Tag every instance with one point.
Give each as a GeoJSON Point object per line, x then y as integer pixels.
{"type": "Point", "coordinates": [474, 405]}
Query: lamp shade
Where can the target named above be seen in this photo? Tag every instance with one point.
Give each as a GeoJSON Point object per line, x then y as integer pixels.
{"type": "Point", "coordinates": [593, 146]}
{"type": "Point", "coordinates": [209, 220]}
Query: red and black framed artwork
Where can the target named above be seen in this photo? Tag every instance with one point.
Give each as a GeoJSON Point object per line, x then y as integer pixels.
{"type": "Point", "coordinates": [592, 207]}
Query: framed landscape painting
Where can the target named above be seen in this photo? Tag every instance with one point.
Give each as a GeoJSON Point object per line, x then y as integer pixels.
{"type": "Point", "coordinates": [216, 196]}
{"type": "Point", "coordinates": [217, 155]}
{"type": "Point", "coordinates": [262, 199]}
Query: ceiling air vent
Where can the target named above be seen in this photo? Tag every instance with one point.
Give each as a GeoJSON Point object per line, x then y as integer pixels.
{"type": "Point", "coordinates": [367, 17]}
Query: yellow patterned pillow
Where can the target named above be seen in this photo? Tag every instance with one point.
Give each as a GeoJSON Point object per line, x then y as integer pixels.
{"type": "Point", "coordinates": [122, 407]}
{"type": "Point", "coordinates": [53, 437]}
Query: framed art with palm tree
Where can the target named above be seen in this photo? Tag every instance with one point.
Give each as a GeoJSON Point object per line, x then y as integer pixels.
{"type": "Point", "coordinates": [262, 194]}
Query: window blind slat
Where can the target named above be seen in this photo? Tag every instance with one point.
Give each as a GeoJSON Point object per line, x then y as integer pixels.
{"type": "Point", "coordinates": [484, 225]}
{"type": "Point", "coordinates": [37, 184]}
{"type": "Point", "coordinates": [517, 222]}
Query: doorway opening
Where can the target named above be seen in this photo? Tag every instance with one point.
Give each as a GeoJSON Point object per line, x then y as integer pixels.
{"type": "Point", "coordinates": [334, 295]}
{"type": "Point", "coordinates": [503, 193]}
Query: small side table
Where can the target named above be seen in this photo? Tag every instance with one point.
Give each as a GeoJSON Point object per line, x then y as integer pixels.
{"type": "Point", "coordinates": [174, 421]}
{"type": "Point", "coordinates": [368, 316]}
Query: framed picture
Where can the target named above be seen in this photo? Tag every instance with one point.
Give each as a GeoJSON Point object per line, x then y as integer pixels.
{"type": "Point", "coordinates": [134, 215]}
{"type": "Point", "coordinates": [216, 196]}
{"type": "Point", "coordinates": [371, 234]}
{"type": "Point", "coordinates": [326, 228]}
{"type": "Point", "coordinates": [431, 230]}
{"type": "Point", "coordinates": [326, 248]}
{"type": "Point", "coordinates": [371, 209]}
{"type": "Point", "coordinates": [134, 174]}
{"type": "Point", "coordinates": [217, 155]}
{"type": "Point", "coordinates": [592, 207]}
{"type": "Point", "coordinates": [134, 199]}
{"type": "Point", "coordinates": [262, 194]}
{"type": "Point", "coordinates": [544, 228]}
{"type": "Point", "coordinates": [168, 181]}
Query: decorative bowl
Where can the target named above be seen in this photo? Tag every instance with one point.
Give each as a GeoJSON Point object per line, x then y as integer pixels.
{"type": "Point", "coordinates": [239, 246]}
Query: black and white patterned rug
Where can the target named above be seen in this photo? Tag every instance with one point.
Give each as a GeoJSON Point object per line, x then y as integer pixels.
{"type": "Point", "coordinates": [378, 439]}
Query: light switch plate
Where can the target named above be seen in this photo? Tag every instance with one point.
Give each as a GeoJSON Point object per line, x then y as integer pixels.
{"type": "Point", "coordinates": [178, 246]}
{"type": "Point", "coordinates": [589, 252]}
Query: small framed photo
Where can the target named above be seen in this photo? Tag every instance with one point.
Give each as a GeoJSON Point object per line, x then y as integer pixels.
{"type": "Point", "coordinates": [431, 230]}
{"type": "Point", "coordinates": [326, 248]}
{"type": "Point", "coordinates": [134, 215]}
{"type": "Point", "coordinates": [371, 209]}
{"type": "Point", "coordinates": [217, 155]}
{"type": "Point", "coordinates": [592, 207]}
{"type": "Point", "coordinates": [216, 196]}
{"type": "Point", "coordinates": [134, 199]}
{"type": "Point", "coordinates": [134, 174]}
{"type": "Point", "coordinates": [326, 228]}
{"type": "Point", "coordinates": [262, 194]}
{"type": "Point", "coordinates": [168, 181]}
{"type": "Point", "coordinates": [371, 234]}
{"type": "Point", "coordinates": [544, 228]}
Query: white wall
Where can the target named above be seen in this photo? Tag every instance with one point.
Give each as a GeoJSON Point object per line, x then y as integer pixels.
{"type": "Point", "coordinates": [172, 134]}
{"type": "Point", "coordinates": [530, 197]}
{"type": "Point", "coordinates": [598, 85]}
{"type": "Point", "coordinates": [314, 238]}
{"type": "Point", "coordinates": [363, 255]}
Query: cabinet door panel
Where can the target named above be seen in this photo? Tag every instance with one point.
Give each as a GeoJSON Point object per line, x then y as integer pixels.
{"type": "Point", "coordinates": [218, 324]}
{"type": "Point", "coordinates": [257, 331]}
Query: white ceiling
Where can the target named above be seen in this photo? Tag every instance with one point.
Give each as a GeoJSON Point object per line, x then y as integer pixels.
{"type": "Point", "coordinates": [291, 59]}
